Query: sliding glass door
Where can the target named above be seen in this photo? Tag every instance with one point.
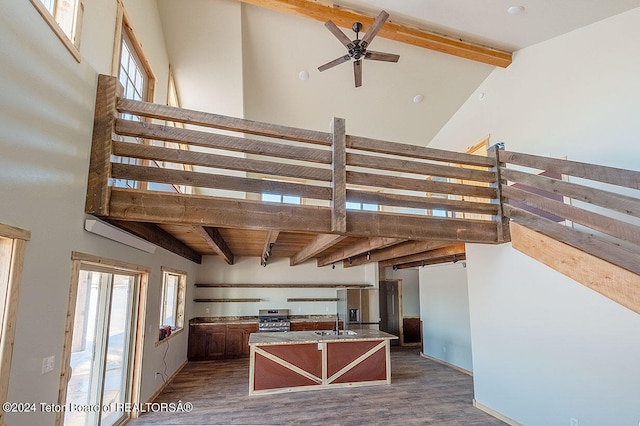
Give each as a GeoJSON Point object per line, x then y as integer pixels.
{"type": "Point", "coordinates": [101, 349]}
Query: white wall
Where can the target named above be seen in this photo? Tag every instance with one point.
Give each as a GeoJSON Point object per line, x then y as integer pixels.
{"type": "Point", "coordinates": [247, 270]}
{"type": "Point", "coordinates": [544, 347]}
{"type": "Point", "coordinates": [46, 102]}
{"type": "Point", "coordinates": [185, 23]}
{"type": "Point", "coordinates": [444, 311]}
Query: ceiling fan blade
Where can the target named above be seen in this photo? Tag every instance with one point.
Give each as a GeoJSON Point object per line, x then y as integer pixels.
{"type": "Point", "coordinates": [381, 56]}
{"type": "Point", "coordinates": [375, 27]}
{"type": "Point", "coordinates": [339, 34]}
{"type": "Point", "coordinates": [333, 63]}
{"type": "Point", "coordinates": [357, 72]}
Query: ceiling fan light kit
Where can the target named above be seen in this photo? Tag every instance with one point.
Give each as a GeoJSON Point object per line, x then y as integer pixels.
{"type": "Point", "coordinates": [357, 49]}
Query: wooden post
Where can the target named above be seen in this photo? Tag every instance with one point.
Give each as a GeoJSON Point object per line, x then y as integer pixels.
{"type": "Point", "coordinates": [339, 178]}
{"type": "Point", "coordinates": [502, 222]}
{"type": "Point", "coordinates": [98, 191]}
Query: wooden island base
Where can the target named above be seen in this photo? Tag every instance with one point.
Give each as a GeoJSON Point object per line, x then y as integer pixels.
{"type": "Point", "coordinates": [298, 361]}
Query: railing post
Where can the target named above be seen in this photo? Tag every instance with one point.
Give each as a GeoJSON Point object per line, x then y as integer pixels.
{"type": "Point", "coordinates": [98, 191]}
{"type": "Point", "coordinates": [502, 222]}
{"type": "Point", "coordinates": [339, 176]}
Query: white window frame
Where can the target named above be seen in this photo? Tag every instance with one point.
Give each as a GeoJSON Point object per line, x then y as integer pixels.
{"type": "Point", "coordinates": [70, 36]}
{"type": "Point", "coordinates": [178, 306]}
{"type": "Point", "coordinates": [13, 243]}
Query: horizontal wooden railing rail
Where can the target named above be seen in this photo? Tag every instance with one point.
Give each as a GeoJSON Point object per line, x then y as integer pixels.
{"type": "Point", "coordinates": [251, 157]}
{"type": "Point", "coordinates": [598, 219]}
{"type": "Point", "coordinates": [415, 190]}
{"type": "Point", "coordinates": [222, 122]}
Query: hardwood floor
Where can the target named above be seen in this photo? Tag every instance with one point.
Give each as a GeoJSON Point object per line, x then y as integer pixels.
{"type": "Point", "coordinates": [422, 392]}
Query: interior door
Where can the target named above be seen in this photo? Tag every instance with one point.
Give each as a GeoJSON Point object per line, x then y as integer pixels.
{"type": "Point", "coordinates": [101, 355]}
{"type": "Point", "coordinates": [390, 308]}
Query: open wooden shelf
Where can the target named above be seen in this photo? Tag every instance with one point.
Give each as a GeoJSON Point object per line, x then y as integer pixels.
{"type": "Point", "coordinates": [225, 300]}
{"type": "Point", "coordinates": [313, 299]}
{"type": "Point", "coordinates": [222, 285]}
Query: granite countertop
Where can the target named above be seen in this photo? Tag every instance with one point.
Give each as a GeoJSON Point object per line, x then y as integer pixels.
{"type": "Point", "coordinates": [299, 337]}
{"type": "Point", "coordinates": [224, 320]}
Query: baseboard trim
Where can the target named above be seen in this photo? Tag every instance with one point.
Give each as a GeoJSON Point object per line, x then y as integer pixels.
{"type": "Point", "coordinates": [439, 361]}
{"type": "Point", "coordinates": [495, 414]}
{"type": "Point", "coordinates": [164, 385]}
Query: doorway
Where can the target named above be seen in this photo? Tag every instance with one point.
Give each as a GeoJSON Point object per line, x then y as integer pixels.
{"type": "Point", "coordinates": [391, 308]}
{"type": "Point", "coordinates": [103, 344]}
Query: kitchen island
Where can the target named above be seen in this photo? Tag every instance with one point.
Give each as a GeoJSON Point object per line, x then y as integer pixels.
{"type": "Point", "coordinates": [307, 360]}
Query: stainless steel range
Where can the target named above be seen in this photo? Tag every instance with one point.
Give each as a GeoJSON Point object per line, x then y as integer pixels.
{"type": "Point", "coordinates": [273, 320]}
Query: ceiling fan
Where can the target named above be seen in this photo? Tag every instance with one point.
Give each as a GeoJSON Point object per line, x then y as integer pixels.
{"type": "Point", "coordinates": [357, 49]}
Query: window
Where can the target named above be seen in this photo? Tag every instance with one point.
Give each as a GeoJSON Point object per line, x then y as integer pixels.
{"type": "Point", "coordinates": [131, 67]}
{"type": "Point", "coordinates": [65, 19]}
{"type": "Point", "coordinates": [278, 198]}
{"type": "Point", "coordinates": [173, 100]}
{"type": "Point", "coordinates": [12, 246]}
{"type": "Point", "coordinates": [361, 206]}
{"type": "Point", "coordinates": [174, 284]}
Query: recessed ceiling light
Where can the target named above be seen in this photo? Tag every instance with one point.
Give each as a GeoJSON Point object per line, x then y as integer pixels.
{"type": "Point", "coordinates": [417, 99]}
{"type": "Point", "coordinates": [303, 75]}
{"type": "Point", "coordinates": [481, 95]}
{"type": "Point", "coordinates": [515, 10]}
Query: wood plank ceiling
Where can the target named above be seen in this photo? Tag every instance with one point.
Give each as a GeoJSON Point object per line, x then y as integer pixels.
{"type": "Point", "coordinates": [326, 249]}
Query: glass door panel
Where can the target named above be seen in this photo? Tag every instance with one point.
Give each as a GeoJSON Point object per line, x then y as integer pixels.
{"type": "Point", "coordinates": [101, 347]}
{"type": "Point", "coordinates": [115, 388]}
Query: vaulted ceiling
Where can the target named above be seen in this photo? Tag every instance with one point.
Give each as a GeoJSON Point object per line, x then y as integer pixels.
{"type": "Point", "coordinates": [275, 40]}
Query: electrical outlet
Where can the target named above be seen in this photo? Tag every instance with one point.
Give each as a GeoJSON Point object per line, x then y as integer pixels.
{"type": "Point", "coordinates": [206, 311]}
{"type": "Point", "coordinates": [574, 422]}
{"type": "Point", "coordinates": [48, 363]}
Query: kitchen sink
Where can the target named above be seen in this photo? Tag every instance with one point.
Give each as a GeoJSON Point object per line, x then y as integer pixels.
{"type": "Point", "coordinates": [333, 333]}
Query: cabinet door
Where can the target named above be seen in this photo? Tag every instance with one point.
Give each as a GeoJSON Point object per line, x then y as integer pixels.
{"type": "Point", "coordinates": [304, 326]}
{"type": "Point", "coordinates": [197, 342]}
{"type": "Point", "coordinates": [238, 339]}
{"type": "Point", "coordinates": [216, 341]}
{"type": "Point", "coordinates": [248, 329]}
{"type": "Point", "coordinates": [235, 340]}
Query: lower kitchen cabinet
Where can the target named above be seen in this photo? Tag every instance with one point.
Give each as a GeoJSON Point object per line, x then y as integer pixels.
{"type": "Point", "coordinates": [206, 341]}
{"type": "Point", "coordinates": [216, 341]}
{"type": "Point", "coordinates": [237, 344]}
{"type": "Point", "coordinates": [314, 325]}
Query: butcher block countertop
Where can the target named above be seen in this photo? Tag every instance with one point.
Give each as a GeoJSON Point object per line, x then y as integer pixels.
{"type": "Point", "coordinates": [302, 337]}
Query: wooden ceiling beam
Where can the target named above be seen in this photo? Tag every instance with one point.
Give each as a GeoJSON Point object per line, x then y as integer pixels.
{"type": "Point", "coordinates": [158, 236]}
{"type": "Point", "coordinates": [457, 250]}
{"type": "Point", "coordinates": [434, 261]}
{"type": "Point", "coordinates": [363, 246]}
{"type": "Point", "coordinates": [345, 18]}
{"type": "Point", "coordinates": [398, 250]}
{"type": "Point", "coordinates": [319, 244]}
{"type": "Point", "coordinates": [216, 242]}
{"type": "Point", "coordinates": [160, 207]}
{"type": "Point", "coordinates": [269, 241]}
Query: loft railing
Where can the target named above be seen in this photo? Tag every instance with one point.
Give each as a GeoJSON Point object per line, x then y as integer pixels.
{"type": "Point", "coordinates": [417, 192]}
{"type": "Point", "coordinates": [595, 209]}
{"type": "Point", "coordinates": [413, 192]}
